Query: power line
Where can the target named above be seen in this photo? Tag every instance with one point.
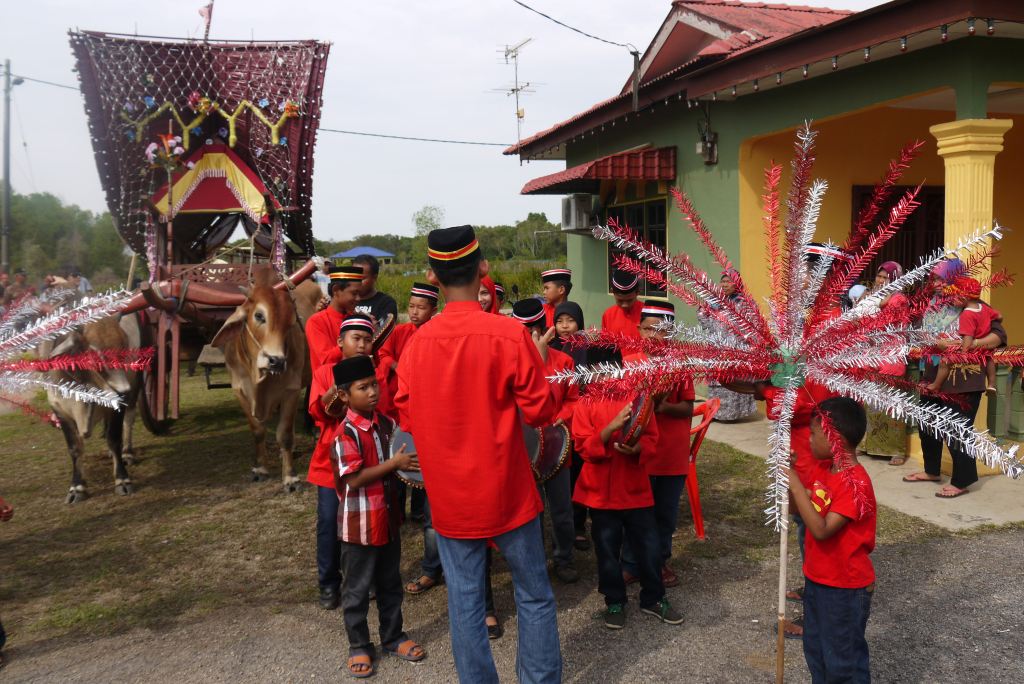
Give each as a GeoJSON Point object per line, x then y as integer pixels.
{"type": "Point", "coordinates": [329, 130]}
{"type": "Point", "coordinates": [408, 137]}
{"type": "Point", "coordinates": [49, 83]}
{"type": "Point", "coordinates": [573, 28]}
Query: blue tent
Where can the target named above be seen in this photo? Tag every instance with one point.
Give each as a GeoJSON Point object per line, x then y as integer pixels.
{"type": "Point", "coordinates": [356, 251]}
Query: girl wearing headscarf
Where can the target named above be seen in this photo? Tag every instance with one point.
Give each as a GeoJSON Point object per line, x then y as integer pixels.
{"type": "Point", "coordinates": [887, 436]}
{"type": "Point", "coordinates": [488, 296]}
{"type": "Point", "coordinates": [734, 406]}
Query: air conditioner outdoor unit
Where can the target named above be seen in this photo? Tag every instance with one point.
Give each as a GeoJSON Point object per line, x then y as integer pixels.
{"type": "Point", "coordinates": [578, 212]}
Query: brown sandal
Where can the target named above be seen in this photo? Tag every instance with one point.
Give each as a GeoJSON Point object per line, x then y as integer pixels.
{"type": "Point", "coordinates": [408, 650]}
{"type": "Point", "coordinates": [361, 660]}
{"type": "Point", "coordinates": [421, 584]}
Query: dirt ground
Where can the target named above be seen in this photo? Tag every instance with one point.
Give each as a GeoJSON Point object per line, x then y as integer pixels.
{"type": "Point", "coordinates": [203, 576]}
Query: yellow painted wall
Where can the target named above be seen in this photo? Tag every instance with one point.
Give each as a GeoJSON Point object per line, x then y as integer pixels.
{"type": "Point", "coordinates": [855, 150]}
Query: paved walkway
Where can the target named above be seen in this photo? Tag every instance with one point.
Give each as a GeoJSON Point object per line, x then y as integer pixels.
{"type": "Point", "coordinates": [995, 500]}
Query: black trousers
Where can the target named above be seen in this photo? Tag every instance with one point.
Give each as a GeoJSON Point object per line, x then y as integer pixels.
{"type": "Point", "coordinates": [579, 511]}
{"type": "Point", "coordinates": [965, 468]}
{"type": "Point", "coordinates": [641, 527]}
{"type": "Point", "coordinates": [363, 567]}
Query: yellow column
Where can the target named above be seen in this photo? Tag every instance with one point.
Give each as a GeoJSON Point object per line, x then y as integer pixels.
{"type": "Point", "coordinates": [969, 148]}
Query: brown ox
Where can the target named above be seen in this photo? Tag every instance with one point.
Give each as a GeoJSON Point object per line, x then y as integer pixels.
{"type": "Point", "coordinates": [265, 352]}
{"type": "Point", "coordinates": [78, 418]}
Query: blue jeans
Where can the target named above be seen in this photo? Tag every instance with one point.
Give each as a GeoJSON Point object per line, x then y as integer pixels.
{"type": "Point", "coordinates": [431, 560]}
{"type": "Point", "coordinates": [328, 548]}
{"type": "Point", "coordinates": [607, 528]}
{"type": "Point", "coordinates": [539, 657]}
{"type": "Point", "coordinates": [834, 623]}
{"type": "Point", "coordinates": [667, 491]}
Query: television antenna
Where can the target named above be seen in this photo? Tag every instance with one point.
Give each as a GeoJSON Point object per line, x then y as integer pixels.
{"type": "Point", "coordinates": [511, 53]}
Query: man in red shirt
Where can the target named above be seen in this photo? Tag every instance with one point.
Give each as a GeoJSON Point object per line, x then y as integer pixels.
{"type": "Point", "coordinates": [839, 512]}
{"type": "Point", "coordinates": [327, 410]}
{"type": "Point", "coordinates": [557, 284]}
{"type": "Point", "coordinates": [624, 315]}
{"type": "Point", "coordinates": [463, 382]}
{"type": "Point", "coordinates": [668, 465]}
{"type": "Point", "coordinates": [557, 489]}
{"type": "Point", "coordinates": [322, 327]}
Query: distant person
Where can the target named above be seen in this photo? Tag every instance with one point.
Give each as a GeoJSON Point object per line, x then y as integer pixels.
{"type": "Point", "coordinates": [499, 290]}
{"type": "Point", "coordinates": [6, 513]}
{"type": "Point", "coordinates": [372, 302]}
{"type": "Point", "coordinates": [322, 276]}
{"type": "Point", "coordinates": [19, 288]}
{"type": "Point", "coordinates": [975, 323]}
{"type": "Point", "coordinates": [369, 519]}
{"type": "Point", "coordinates": [79, 282]}
{"type": "Point", "coordinates": [624, 315]}
{"type": "Point", "coordinates": [839, 515]}
{"type": "Point", "coordinates": [557, 284]}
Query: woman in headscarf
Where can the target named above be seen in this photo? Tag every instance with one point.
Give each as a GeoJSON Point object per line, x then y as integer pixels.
{"type": "Point", "coordinates": [887, 436]}
{"type": "Point", "coordinates": [734, 406]}
{"type": "Point", "coordinates": [488, 296]}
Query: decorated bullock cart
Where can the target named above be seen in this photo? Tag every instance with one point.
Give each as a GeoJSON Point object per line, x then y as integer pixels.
{"type": "Point", "coordinates": [194, 140]}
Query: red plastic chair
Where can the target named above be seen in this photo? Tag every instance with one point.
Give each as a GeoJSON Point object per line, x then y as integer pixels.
{"type": "Point", "coordinates": [706, 411]}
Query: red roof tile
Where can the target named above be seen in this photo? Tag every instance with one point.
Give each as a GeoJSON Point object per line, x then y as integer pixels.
{"type": "Point", "coordinates": [754, 25]}
{"type": "Point", "coordinates": [646, 164]}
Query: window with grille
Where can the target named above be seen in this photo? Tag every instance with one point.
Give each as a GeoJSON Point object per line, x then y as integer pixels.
{"type": "Point", "coordinates": [922, 233]}
{"type": "Point", "coordinates": [648, 219]}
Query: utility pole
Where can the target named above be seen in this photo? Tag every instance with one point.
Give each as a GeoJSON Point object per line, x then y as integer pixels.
{"type": "Point", "coordinates": [5, 226]}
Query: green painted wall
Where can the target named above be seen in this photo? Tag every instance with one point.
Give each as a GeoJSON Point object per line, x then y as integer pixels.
{"type": "Point", "coordinates": [966, 65]}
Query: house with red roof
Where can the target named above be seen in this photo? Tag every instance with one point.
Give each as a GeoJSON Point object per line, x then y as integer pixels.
{"type": "Point", "coordinates": [723, 86]}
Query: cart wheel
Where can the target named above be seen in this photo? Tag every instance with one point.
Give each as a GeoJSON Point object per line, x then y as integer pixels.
{"type": "Point", "coordinates": [146, 401]}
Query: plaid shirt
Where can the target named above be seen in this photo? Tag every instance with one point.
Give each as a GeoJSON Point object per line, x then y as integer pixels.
{"type": "Point", "coordinates": [366, 515]}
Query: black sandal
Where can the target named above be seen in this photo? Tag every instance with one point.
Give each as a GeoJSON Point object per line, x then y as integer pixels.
{"type": "Point", "coordinates": [494, 631]}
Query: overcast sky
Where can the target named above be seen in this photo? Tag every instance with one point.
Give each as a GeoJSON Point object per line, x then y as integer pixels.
{"type": "Point", "coordinates": [424, 69]}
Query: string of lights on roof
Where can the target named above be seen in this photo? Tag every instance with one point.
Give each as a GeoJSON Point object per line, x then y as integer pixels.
{"type": "Point", "coordinates": [942, 33]}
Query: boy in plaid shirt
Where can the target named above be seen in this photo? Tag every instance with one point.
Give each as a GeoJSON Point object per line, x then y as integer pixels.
{"type": "Point", "coordinates": [368, 518]}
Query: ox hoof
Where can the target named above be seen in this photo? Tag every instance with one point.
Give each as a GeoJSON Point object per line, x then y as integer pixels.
{"type": "Point", "coordinates": [292, 485]}
{"type": "Point", "coordinates": [123, 487]}
{"type": "Point", "coordinates": [75, 495]}
{"type": "Point", "coordinates": [259, 474]}
{"type": "Point", "coordinates": [128, 457]}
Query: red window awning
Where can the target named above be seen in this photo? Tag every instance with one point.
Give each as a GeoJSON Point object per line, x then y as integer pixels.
{"type": "Point", "coordinates": [658, 164]}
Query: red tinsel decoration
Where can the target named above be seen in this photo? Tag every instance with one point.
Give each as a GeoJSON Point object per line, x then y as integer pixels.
{"type": "Point", "coordinates": [124, 359]}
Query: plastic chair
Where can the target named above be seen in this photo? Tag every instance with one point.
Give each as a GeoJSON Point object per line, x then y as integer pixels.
{"type": "Point", "coordinates": [707, 412]}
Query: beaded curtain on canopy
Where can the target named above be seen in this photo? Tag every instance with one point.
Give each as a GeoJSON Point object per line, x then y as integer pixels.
{"type": "Point", "coordinates": [262, 99]}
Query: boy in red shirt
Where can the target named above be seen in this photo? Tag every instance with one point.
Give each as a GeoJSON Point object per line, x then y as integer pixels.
{"type": "Point", "coordinates": [322, 327]}
{"type": "Point", "coordinates": [557, 490]}
{"type": "Point", "coordinates": [557, 284]}
{"type": "Point", "coordinates": [839, 514]}
{"type": "Point", "coordinates": [327, 410]}
{"type": "Point", "coordinates": [614, 486]}
{"type": "Point", "coordinates": [368, 518]}
{"type": "Point", "coordinates": [668, 465]}
{"type": "Point", "coordinates": [422, 307]}
{"type": "Point", "coordinates": [624, 315]}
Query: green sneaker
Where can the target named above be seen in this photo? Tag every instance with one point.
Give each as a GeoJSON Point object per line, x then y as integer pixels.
{"type": "Point", "coordinates": [664, 611]}
{"type": "Point", "coordinates": [615, 616]}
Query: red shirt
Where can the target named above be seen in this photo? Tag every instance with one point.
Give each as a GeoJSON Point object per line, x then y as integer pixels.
{"type": "Point", "coordinates": [461, 379]}
{"type": "Point", "coordinates": [321, 472]}
{"type": "Point", "coordinates": [566, 394]}
{"type": "Point", "coordinates": [978, 323]}
{"type": "Point", "coordinates": [322, 336]}
{"type": "Point", "coordinates": [388, 356]}
{"type": "Point", "coordinates": [366, 515]}
{"type": "Point", "coordinates": [807, 399]}
{"type": "Point", "coordinates": [843, 559]}
{"type": "Point", "coordinates": [672, 455]}
{"type": "Point", "coordinates": [617, 319]}
{"type": "Point", "coordinates": [610, 480]}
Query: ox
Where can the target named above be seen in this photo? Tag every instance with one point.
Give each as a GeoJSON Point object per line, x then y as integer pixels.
{"type": "Point", "coordinates": [265, 352]}
{"type": "Point", "coordinates": [77, 418]}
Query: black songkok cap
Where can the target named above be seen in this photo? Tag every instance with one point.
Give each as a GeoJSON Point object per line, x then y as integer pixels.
{"type": "Point", "coordinates": [345, 273]}
{"type": "Point", "coordinates": [666, 311]}
{"type": "Point", "coordinates": [452, 247]}
{"type": "Point", "coordinates": [528, 311]}
{"type": "Point", "coordinates": [352, 369]}
{"type": "Point", "coordinates": [624, 281]}
{"type": "Point", "coordinates": [426, 291]}
{"type": "Point", "coordinates": [357, 321]}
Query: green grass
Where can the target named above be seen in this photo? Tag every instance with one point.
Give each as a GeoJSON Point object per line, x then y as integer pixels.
{"type": "Point", "coordinates": [198, 535]}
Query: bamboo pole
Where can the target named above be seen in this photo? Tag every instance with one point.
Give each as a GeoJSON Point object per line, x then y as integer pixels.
{"type": "Point", "coordinates": [780, 645]}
